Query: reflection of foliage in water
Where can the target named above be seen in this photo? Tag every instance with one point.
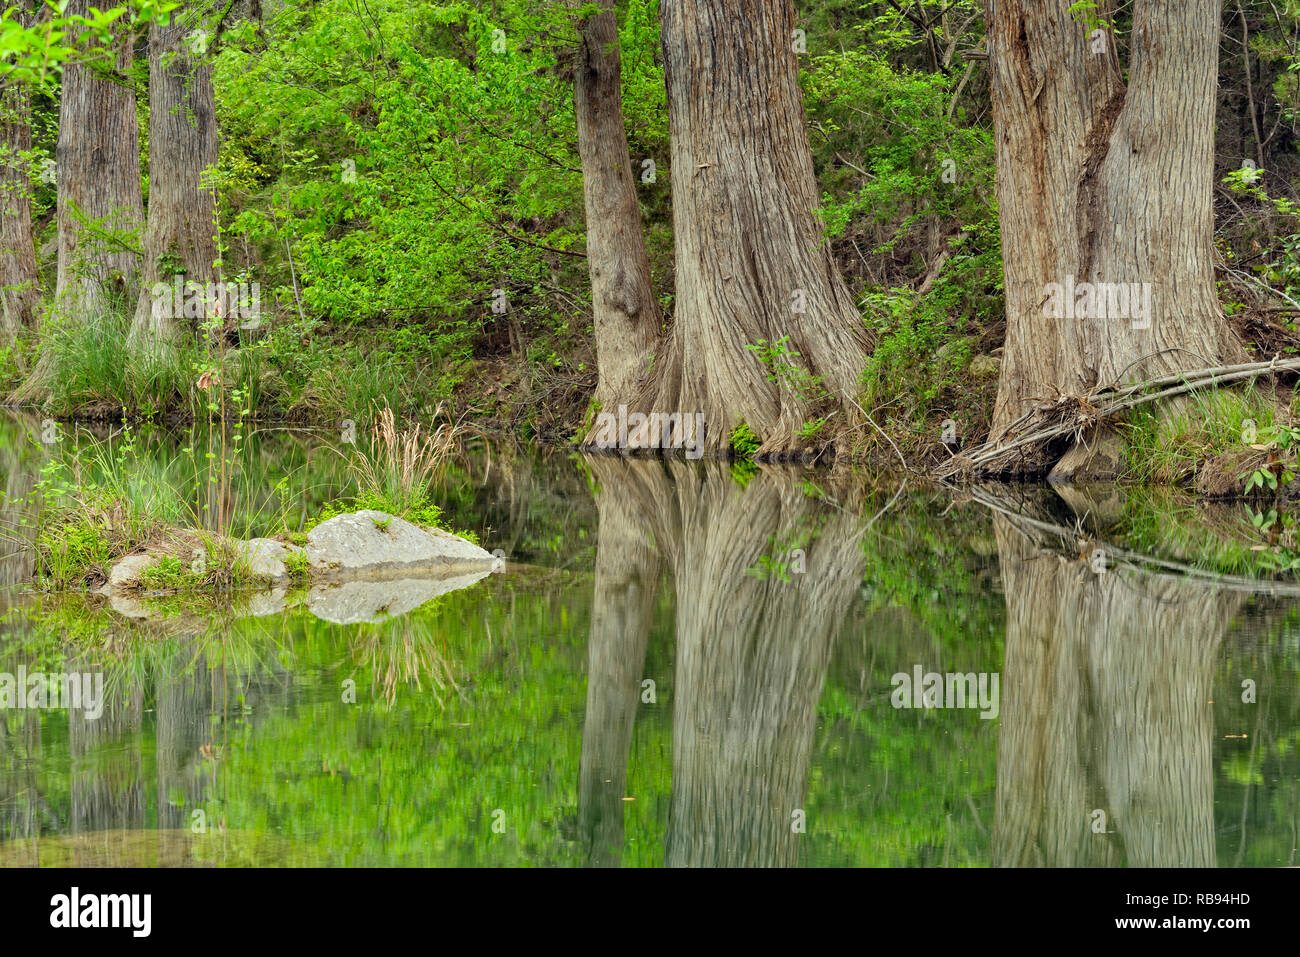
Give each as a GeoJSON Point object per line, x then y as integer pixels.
{"type": "Point", "coordinates": [411, 774]}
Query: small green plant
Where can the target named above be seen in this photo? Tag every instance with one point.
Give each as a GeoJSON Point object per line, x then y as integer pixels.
{"type": "Point", "coordinates": [779, 358]}
{"type": "Point", "coordinates": [769, 567]}
{"type": "Point", "coordinates": [1262, 520]}
{"type": "Point", "coordinates": [809, 431]}
{"type": "Point", "coordinates": [168, 573]}
{"type": "Point", "coordinates": [1260, 478]}
{"type": "Point", "coordinates": [744, 443]}
{"type": "Point", "coordinates": [1279, 442]}
{"type": "Point", "coordinates": [743, 471]}
{"type": "Point", "coordinates": [1282, 271]}
{"type": "Point", "coordinates": [298, 565]}
{"type": "Point", "coordinates": [1088, 13]}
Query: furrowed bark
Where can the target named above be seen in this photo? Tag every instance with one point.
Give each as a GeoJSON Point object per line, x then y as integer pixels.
{"type": "Point", "coordinates": [98, 158]}
{"type": "Point", "coordinates": [626, 314]}
{"type": "Point", "coordinates": [19, 282]}
{"type": "Point", "coordinates": [627, 580]}
{"type": "Point", "coordinates": [1105, 708]}
{"type": "Point", "coordinates": [1103, 183]}
{"type": "Point", "coordinates": [752, 264]}
{"type": "Point", "coordinates": [180, 234]}
{"type": "Point", "coordinates": [100, 205]}
{"type": "Point", "coordinates": [753, 646]}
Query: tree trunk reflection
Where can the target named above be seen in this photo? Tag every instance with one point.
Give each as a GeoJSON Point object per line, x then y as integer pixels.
{"type": "Point", "coordinates": [1106, 710]}
{"type": "Point", "coordinates": [764, 576]}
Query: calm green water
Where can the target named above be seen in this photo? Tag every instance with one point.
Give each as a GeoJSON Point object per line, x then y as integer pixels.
{"type": "Point", "coordinates": [680, 665]}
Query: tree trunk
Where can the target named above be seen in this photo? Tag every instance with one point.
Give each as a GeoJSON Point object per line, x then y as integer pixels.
{"type": "Point", "coordinates": [106, 785]}
{"type": "Point", "coordinates": [98, 157]}
{"type": "Point", "coordinates": [752, 655]}
{"type": "Point", "coordinates": [19, 283]}
{"type": "Point", "coordinates": [1102, 183]}
{"type": "Point", "coordinates": [184, 704]}
{"type": "Point", "coordinates": [180, 235]}
{"type": "Point", "coordinates": [19, 512]}
{"type": "Point", "coordinates": [752, 262]}
{"type": "Point", "coordinates": [625, 312]}
{"type": "Point", "coordinates": [754, 642]}
{"type": "Point", "coordinates": [100, 205]}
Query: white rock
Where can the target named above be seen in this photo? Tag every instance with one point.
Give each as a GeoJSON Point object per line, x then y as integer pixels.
{"type": "Point", "coordinates": [126, 574]}
{"type": "Point", "coordinates": [262, 603]}
{"type": "Point", "coordinates": [350, 602]}
{"type": "Point", "coordinates": [376, 544]}
{"type": "Point", "coordinates": [129, 607]}
{"type": "Point", "coordinates": [265, 557]}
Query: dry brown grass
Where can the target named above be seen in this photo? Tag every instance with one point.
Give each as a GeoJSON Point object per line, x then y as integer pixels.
{"type": "Point", "coordinates": [401, 464]}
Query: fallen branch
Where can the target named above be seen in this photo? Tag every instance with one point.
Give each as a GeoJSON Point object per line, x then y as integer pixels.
{"type": "Point", "coordinates": [1096, 407]}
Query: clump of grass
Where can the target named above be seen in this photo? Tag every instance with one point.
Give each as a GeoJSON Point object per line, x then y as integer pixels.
{"type": "Point", "coordinates": [88, 514]}
{"type": "Point", "coordinates": [1223, 539]}
{"type": "Point", "coordinates": [395, 472]}
{"type": "Point", "coordinates": [400, 465]}
{"type": "Point", "coordinates": [93, 369]}
{"type": "Point", "coordinates": [298, 565]}
{"type": "Point", "coordinates": [398, 656]}
{"type": "Point", "coordinates": [71, 551]}
{"type": "Point", "coordinates": [423, 513]}
{"type": "Point", "coordinates": [1169, 445]}
{"type": "Point", "coordinates": [13, 363]}
{"type": "Point", "coordinates": [98, 500]}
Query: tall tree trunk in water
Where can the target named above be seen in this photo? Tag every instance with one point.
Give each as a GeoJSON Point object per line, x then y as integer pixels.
{"type": "Point", "coordinates": [752, 654]}
{"type": "Point", "coordinates": [98, 169]}
{"type": "Point", "coordinates": [180, 234]}
{"type": "Point", "coordinates": [626, 314]}
{"type": "Point", "coordinates": [19, 512]}
{"type": "Point", "coordinates": [106, 785]}
{"type": "Point", "coordinates": [1105, 707]}
{"type": "Point", "coordinates": [752, 262]}
{"type": "Point", "coordinates": [1103, 183]}
{"type": "Point", "coordinates": [19, 292]}
{"type": "Point", "coordinates": [622, 610]}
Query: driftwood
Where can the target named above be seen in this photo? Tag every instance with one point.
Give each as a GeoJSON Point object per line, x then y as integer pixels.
{"type": "Point", "coordinates": [1075, 415]}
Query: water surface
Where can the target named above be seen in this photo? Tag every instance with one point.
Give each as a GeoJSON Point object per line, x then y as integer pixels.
{"type": "Point", "coordinates": [682, 664]}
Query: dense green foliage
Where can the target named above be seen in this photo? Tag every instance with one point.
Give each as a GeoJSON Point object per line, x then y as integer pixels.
{"type": "Point", "coordinates": [402, 180]}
